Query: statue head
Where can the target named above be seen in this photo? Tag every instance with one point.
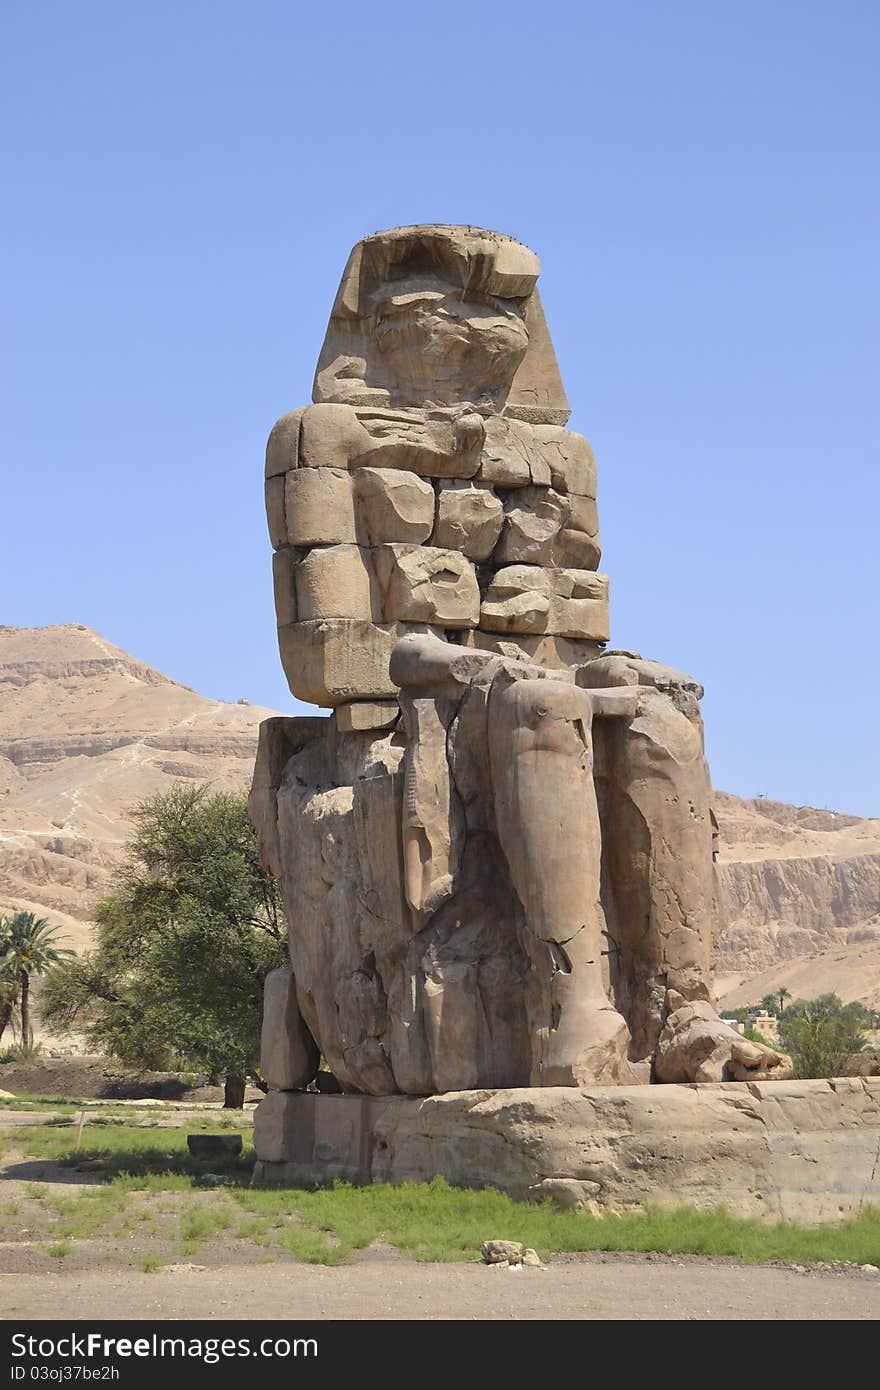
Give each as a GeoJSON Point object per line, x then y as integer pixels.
{"type": "Point", "coordinates": [445, 343]}
{"type": "Point", "coordinates": [440, 315]}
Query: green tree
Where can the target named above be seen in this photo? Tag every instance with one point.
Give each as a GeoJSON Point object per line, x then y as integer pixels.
{"type": "Point", "coordinates": [741, 1015]}
{"type": "Point", "coordinates": [28, 946]}
{"type": "Point", "coordinates": [185, 941]}
{"type": "Point", "coordinates": [9, 985]}
{"type": "Point", "coordinates": [820, 1035]}
{"type": "Point", "coordinates": [782, 994]}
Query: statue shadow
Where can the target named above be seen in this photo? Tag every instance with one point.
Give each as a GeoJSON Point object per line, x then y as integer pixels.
{"type": "Point", "coordinates": [135, 1164]}
{"type": "Point", "coordinates": [47, 1171]}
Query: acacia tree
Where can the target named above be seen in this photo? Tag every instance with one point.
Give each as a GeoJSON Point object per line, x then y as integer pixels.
{"type": "Point", "coordinates": [821, 1035]}
{"type": "Point", "coordinates": [28, 946]}
{"type": "Point", "coordinates": [185, 941]}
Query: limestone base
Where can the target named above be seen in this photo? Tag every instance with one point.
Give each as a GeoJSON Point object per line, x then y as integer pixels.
{"type": "Point", "coordinates": [801, 1150]}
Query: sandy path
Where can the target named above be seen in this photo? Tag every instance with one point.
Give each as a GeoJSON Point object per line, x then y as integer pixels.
{"type": "Point", "coordinates": [588, 1288]}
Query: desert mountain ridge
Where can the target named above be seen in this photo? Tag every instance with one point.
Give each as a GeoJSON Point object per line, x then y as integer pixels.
{"type": "Point", "coordinates": [86, 731]}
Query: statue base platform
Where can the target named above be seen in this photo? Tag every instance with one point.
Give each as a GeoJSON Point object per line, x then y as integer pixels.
{"type": "Point", "coordinates": [800, 1150]}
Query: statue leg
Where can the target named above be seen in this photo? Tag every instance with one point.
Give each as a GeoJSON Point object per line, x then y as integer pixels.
{"type": "Point", "coordinates": [659, 832]}
{"type": "Point", "coordinates": [540, 752]}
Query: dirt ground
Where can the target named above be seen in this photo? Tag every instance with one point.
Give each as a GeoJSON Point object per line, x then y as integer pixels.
{"type": "Point", "coordinates": [386, 1286]}
{"type": "Point", "coordinates": [232, 1279]}
{"type": "Point", "coordinates": [237, 1279]}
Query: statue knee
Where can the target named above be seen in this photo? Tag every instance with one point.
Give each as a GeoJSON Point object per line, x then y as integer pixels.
{"type": "Point", "coordinates": [542, 705]}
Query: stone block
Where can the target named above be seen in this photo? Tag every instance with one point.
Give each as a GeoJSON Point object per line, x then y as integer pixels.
{"type": "Point", "coordinates": [421, 584]}
{"type": "Point", "coordinates": [214, 1145]}
{"type": "Point", "coordinates": [336, 581]}
{"type": "Point", "coordinates": [570, 458]}
{"type": "Point", "coordinates": [275, 511]}
{"type": "Point", "coordinates": [533, 518]}
{"type": "Point", "coordinates": [393, 504]}
{"type": "Point", "coordinates": [331, 661]}
{"type": "Point", "coordinates": [576, 550]}
{"type": "Point", "coordinates": [564, 603]}
{"type": "Point", "coordinates": [358, 715]}
{"type": "Point", "coordinates": [441, 447]}
{"type": "Point", "coordinates": [506, 455]}
{"type": "Point", "coordinates": [583, 515]}
{"type": "Point", "coordinates": [515, 269]}
{"type": "Point", "coordinates": [282, 449]}
{"type": "Point", "coordinates": [525, 612]}
{"type": "Point", "coordinates": [284, 563]}
{"type": "Point", "coordinates": [331, 435]}
{"type": "Point", "coordinates": [289, 1057]}
{"type": "Point", "coordinates": [577, 545]}
{"type": "Point", "coordinates": [319, 507]}
{"type": "Point", "coordinates": [280, 740]}
{"type": "Point", "coordinates": [469, 519]}
{"type": "Point", "coordinates": [299, 1130]}
{"type": "Point", "coordinates": [564, 656]}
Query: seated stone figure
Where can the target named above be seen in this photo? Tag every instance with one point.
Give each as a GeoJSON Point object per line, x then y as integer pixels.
{"type": "Point", "coordinates": [496, 856]}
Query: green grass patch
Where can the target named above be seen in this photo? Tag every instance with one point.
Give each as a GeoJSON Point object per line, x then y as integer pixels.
{"type": "Point", "coordinates": [202, 1223]}
{"type": "Point", "coordinates": [60, 1249]}
{"type": "Point", "coordinates": [149, 1263]}
{"type": "Point", "coordinates": [432, 1221]}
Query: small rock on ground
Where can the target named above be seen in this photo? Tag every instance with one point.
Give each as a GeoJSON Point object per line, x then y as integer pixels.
{"type": "Point", "coordinates": [498, 1251]}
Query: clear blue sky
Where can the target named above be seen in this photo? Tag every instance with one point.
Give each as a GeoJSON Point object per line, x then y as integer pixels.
{"type": "Point", "coordinates": [183, 183]}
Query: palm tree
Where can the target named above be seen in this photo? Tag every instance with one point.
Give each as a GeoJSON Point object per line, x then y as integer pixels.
{"type": "Point", "coordinates": [8, 988]}
{"type": "Point", "coordinates": [27, 947]}
{"type": "Point", "coordinates": [782, 994]}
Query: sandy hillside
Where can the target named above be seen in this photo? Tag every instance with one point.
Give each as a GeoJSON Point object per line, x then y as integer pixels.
{"type": "Point", "coordinates": [85, 732]}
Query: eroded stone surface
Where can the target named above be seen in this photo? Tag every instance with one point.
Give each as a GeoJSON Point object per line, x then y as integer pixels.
{"type": "Point", "coordinates": [533, 520]}
{"type": "Point", "coordinates": [530, 599]}
{"type": "Point", "coordinates": [359, 715]}
{"type": "Point", "coordinates": [337, 582]}
{"type": "Point", "coordinates": [393, 505]}
{"type": "Point", "coordinates": [421, 584]}
{"type": "Point", "coordinates": [282, 448]}
{"type": "Point", "coordinates": [801, 1151]}
{"type": "Point", "coordinates": [469, 519]}
{"type": "Point", "coordinates": [497, 859]}
{"type": "Point", "coordinates": [333, 660]}
{"type": "Point", "coordinates": [288, 1054]}
{"type": "Point", "coordinates": [319, 507]}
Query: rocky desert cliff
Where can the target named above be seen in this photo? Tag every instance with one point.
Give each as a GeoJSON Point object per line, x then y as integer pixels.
{"type": "Point", "coordinates": [802, 891]}
{"type": "Point", "coordinates": [87, 730]}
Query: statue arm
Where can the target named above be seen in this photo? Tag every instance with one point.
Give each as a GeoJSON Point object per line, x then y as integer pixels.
{"type": "Point", "coordinates": [615, 702]}
{"type": "Point", "coordinates": [426, 665]}
{"type": "Point", "coordinates": [629, 669]}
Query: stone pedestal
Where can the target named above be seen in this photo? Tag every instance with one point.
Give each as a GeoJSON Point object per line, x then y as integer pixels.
{"type": "Point", "coordinates": [800, 1150]}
